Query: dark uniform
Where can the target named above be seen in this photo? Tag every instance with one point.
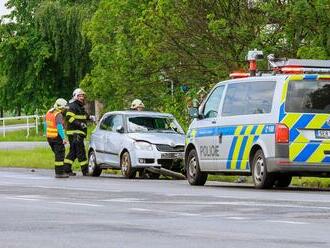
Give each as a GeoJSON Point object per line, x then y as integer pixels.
{"type": "Point", "coordinates": [76, 118]}
{"type": "Point", "coordinates": [55, 136]}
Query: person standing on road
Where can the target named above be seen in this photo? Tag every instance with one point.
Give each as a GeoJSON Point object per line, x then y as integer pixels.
{"type": "Point", "coordinates": [76, 118]}
{"type": "Point", "coordinates": [137, 104]}
{"type": "Point", "coordinates": [56, 136]}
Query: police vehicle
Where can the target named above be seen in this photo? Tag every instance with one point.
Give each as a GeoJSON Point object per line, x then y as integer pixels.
{"type": "Point", "coordinates": [272, 127]}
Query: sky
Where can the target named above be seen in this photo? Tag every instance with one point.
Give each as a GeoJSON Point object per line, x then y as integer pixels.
{"type": "Point", "coordinates": [3, 10]}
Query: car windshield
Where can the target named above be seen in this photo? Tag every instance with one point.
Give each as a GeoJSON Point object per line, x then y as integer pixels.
{"type": "Point", "coordinates": [137, 124]}
{"type": "Point", "coordinates": [309, 96]}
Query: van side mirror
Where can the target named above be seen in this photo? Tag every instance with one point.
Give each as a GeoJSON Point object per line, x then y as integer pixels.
{"type": "Point", "coordinates": [120, 129]}
{"type": "Point", "coordinates": [193, 112]}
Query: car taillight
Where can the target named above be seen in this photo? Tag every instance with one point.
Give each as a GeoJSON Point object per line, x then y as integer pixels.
{"type": "Point", "coordinates": [281, 133]}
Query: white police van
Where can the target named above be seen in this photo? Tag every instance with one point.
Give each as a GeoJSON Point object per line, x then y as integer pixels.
{"type": "Point", "coordinates": [271, 127]}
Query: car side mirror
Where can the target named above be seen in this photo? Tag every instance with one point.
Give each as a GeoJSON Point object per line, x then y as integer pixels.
{"type": "Point", "coordinates": [120, 129]}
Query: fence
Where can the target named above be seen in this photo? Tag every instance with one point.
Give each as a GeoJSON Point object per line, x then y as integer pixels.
{"type": "Point", "coordinates": [27, 125]}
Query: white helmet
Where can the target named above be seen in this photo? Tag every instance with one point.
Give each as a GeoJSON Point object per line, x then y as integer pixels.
{"type": "Point", "coordinates": [60, 103]}
{"type": "Point", "coordinates": [77, 92]}
{"type": "Point", "coordinates": [137, 103]}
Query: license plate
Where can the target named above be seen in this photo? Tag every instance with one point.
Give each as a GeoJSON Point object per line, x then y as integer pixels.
{"type": "Point", "coordinates": [322, 134]}
{"type": "Point", "coordinates": [172, 155]}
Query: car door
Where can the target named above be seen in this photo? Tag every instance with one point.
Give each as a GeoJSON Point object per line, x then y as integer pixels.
{"type": "Point", "coordinates": [206, 133]}
{"type": "Point", "coordinates": [99, 138]}
{"type": "Point", "coordinates": [114, 140]}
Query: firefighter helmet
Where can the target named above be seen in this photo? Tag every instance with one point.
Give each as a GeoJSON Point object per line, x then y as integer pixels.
{"type": "Point", "coordinates": [60, 103]}
{"type": "Point", "coordinates": [137, 103]}
{"type": "Point", "coordinates": [77, 92]}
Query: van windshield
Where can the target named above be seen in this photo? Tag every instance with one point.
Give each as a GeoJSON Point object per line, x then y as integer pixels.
{"type": "Point", "coordinates": [138, 124]}
{"type": "Point", "coordinates": [308, 96]}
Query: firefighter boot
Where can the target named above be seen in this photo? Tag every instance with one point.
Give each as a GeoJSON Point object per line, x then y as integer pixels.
{"type": "Point", "coordinates": [59, 172]}
{"type": "Point", "coordinates": [84, 170]}
{"type": "Point", "coordinates": [68, 170]}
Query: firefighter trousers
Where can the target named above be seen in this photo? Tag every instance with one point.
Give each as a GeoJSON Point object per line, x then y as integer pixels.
{"type": "Point", "coordinates": [77, 150]}
{"type": "Point", "coordinates": [59, 150]}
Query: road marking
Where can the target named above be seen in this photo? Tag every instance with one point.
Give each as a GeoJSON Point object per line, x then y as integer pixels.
{"type": "Point", "coordinates": [78, 204]}
{"type": "Point", "coordinates": [237, 218]}
{"type": "Point", "coordinates": [162, 212]}
{"type": "Point", "coordinates": [22, 199]}
{"type": "Point", "coordinates": [288, 222]}
{"type": "Point", "coordinates": [124, 200]}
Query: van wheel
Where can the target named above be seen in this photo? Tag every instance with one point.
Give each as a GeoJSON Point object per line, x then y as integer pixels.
{"type": "Point", "coordinates": [282, 181]}
{"type": "Point", "coordinates": [194, 174]}
{"type": "Point", "coordinates": [261, 178]}
{"type": "Point", "coordinates": [126, 166]}
{"type": "Point", "coordinates": [93, 168]}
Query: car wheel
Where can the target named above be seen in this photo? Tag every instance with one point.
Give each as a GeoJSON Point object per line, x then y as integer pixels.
{"type": "Point", "coordinates": [126, 166]}
{"type": "Point", "coordinates": [261, 178]}
{"type": "Point", "coordinates": [282, 181]}
{"type": "Point", "coordinates": [194, 174]}
{"type": "Point", "coordinates": [93, 168]}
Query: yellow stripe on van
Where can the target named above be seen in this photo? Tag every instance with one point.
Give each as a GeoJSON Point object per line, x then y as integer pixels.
{"type": "Point", "coordinates": [318, 121]}
{"type": "Point", "coordinates": [318, 154]}
{"type": "Point", "coordinates": [301, 139]}
{"type": "Point", "coordinates": [323, 76]}
{"type": "Point", "coordinates": [291, 119]}
{"type": "Point", "coordinates": [236, 152]}
{"type": "Point", "coordinates": [247, 151]}
{"type": "Point", "coordinates": [248, 130]}
{"type": "Point", "coordinates": [238, 130]}
{"type": "Point", "coordinates": [295, 149]}
{"type": "Point", "coordinates": [296, 77]}
{"type": "Point", "coordinates": [259, 129]}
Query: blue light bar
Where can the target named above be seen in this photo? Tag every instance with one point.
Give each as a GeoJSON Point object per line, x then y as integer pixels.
{"type": "Point", "coordinates": [310, 77]}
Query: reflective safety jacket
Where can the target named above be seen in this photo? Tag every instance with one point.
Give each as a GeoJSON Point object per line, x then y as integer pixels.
{"type": "Point", "coordinates": [51, 130]}
{"type": "Point", "coordinates": [75, 116]}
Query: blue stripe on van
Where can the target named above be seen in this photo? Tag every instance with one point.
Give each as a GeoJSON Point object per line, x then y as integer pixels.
{"type": "Point", "coordinates": [241, 151]}
{"type": "Point", "coordinates": [282, 112]}
{"type": "Point", "coordinates": [306, 152]}
{"type": "Point", "coordinates": [326, 160]}
{"type": "Point", "coordinates": [254, 129]}
{"type": "Point", "coordinates": [231, 151]}
{"type": "Point", "coordinates": [301, 123]}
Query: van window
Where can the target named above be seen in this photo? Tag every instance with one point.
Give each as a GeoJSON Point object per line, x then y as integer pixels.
{"type": "Point", "coordinates": [248, 98]}
{"type": "Point", "coordinates": [212, 104]}
{"type": "Point", "coordinates": [308, 96]}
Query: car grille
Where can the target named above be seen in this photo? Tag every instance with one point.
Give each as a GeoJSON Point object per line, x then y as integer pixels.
{"type": "Point", "coordinates": [167, 148]}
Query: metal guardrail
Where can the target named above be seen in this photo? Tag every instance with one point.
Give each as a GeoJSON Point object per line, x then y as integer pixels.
{"type": "Point", "coordinates": [28, 126]}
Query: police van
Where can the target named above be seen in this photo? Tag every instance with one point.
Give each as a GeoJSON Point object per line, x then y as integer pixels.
{"type": "Point", "coordinates": [272, 126]}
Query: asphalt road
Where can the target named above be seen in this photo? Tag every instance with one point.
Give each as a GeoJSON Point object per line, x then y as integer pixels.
{"type": "Point", "coordinates": [37, 210]}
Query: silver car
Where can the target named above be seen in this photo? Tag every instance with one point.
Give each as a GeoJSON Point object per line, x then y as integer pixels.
{"type": "Point", "coordinates": [132, 141]}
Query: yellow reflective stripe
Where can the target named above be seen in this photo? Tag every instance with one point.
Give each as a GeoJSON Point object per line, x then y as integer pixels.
{"type": "Point", "coordinates": [68, 161]}
{"type": "Point", "coordinates": [236, 152]}
{"type": "Point", "coordinates": [296, 77]}
{"type": "Point", "coordinates": [71, 120]}
{"type": "Point", "coordinates": [247, 151]}
{"type": "Point", "coordinates": [80, 117]}
{"type": "Point", "coordinates": [59, 163]}
{"type": "Point", "coordinates": [324, 76]}
{"type": "Point", "coordinates": [51, 129]}
{"type": "Point", "coordinates": [301, 139]}
{"type": "Point", "coordinates": [83, 163]}
{"type": "Point", "coordinates": [295, 149]}
{"type": "Point", "coordinates": [70, 113]}
{"type": "Point", "coordinates": [248, 130]}
{"type": "Point", "coordinates": [238, 130]}
{"type": "Point", "coordinates": [318, 154]}
{"type": "Point", "coordinates": [285, 90]}
{"type": "Point", "coordinates": [259, 129]}
{"type": "Point", "coordinates": [75, 132]}
{"type": "Point", "coordinates": [318, 121]}
{"type": "Point", "coordinates": [291, 119]}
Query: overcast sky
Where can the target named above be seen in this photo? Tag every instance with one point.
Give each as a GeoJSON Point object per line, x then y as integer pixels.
{"type": "Point", "coordinates": [3, 9]}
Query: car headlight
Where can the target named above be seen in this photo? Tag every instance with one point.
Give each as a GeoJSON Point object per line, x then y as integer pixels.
{"type": "Point", "coordinates": [143, 145]}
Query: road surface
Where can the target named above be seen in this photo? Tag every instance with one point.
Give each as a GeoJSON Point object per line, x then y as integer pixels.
{"type": "Point", "coordinates": [37, 210]}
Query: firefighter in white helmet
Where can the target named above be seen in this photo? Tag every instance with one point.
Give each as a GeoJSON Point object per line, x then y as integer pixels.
{"type": "Point", "coordinates": [54, 126]}
{"type": "Point", "coordinates": [137, 104]}
{"type": "Point", "coordinates": [76, 118]}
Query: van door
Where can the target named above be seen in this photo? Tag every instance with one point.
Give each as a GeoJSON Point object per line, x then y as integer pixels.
{"type": "Point", "coordinates": [208, 152]}
{"type": "Point", "coordinates": [242, 120]}
{"type": "Point", "coordinates": [306, 112]}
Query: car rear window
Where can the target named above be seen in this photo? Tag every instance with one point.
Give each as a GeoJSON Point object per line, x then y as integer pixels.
{"type": "Point", "coordinates": [308, 96]}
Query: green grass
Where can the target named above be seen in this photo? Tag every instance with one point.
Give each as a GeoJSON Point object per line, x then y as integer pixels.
{"type": "Point", "coordinates": [21, 136]}
{"type": "Point", "coordinates": [19, 121]}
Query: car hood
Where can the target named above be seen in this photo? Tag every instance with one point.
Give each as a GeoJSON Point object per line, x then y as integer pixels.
{"type": "Point", "coordinates": [172, 139]}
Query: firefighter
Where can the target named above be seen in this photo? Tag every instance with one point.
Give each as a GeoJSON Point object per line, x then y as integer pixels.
{"type": "Point", "coordinates": [56, 136]}
{"type": "Point", "coordinates": [137, 104]}
{"type": "Point", "coordinates": [76, 118]}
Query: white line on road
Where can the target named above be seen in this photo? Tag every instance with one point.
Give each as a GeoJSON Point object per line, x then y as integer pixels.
{"type": "Point", "coordinates": [162, 212]}
{"type": "Point", "coordinates": [22, 199]}
{"type": "Point", "coordinates": [78, 204]}
{"type": "Point", "coordinates": [288, 222]}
